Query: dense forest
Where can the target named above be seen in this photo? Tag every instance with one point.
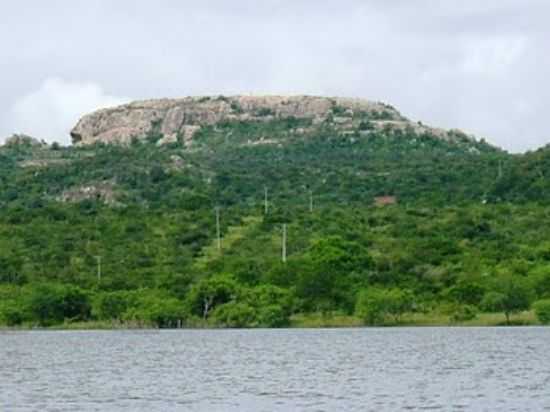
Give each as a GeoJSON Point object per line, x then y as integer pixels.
{"type": "Point", "coordinates": [258, 225]}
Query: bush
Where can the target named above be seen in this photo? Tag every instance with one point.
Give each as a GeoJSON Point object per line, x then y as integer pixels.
{"type": "Point", "coordinates": [209, 293]}
{"type": "Point", "coordinates": [264, 296]}
{"type": "Point", "coordinates": [542, 310]}
{"type": "Point", "coordinates": [52, 303]}
{"type": "Point", "coordinates": [234, 315]}
{"type": "Point", "coordinates": [236, 107]}
{"type": "Point", "coordinates": [462, 313]}
{"type": "Point", "coordinates": [155, 308]}
{"type": "Point", "coordinates": [371, 306]}
{"type": "Point", "coordinates": [374, 305]}
{"type": "Point", "coordinates": [366, 125]}
{"type": "Point", "coordinates": [111, 305]}
{"type": "Point", "coordinates": [466, 292]}
{"type": "Point", "coordinates": [11, 314]}
{"type": "Point", "coordinates": [273, 316]}
{"type": "Point", "coordinates": [265, 111]}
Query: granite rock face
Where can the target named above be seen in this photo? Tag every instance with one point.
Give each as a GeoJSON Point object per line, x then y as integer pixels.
{"type": "Point", "coordinates": [180, 119]}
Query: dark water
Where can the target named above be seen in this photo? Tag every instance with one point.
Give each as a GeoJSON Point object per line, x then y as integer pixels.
{"type": "Point", "coordinates": [493, 369]}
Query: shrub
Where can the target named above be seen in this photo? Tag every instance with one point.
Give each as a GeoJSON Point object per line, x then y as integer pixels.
{"type": "Point", "coordinates": [236, 107]}
{"type": "Point", "coordinates": [234, 315]}
{"type": "Point", "coordinates": [52, 303]}
{"type": "Point", "coordinates": [273, 316]}
{"type": "Point", "coordinates": [11, 314]}
{"type": "Point", "coordinates": [462, 313]}
{"type": "Point", "coordinates": [542, 310]}
{"type": "Point", "coordinates": [374, 305]}
{"type": "Point", "coordinates": [338, 110]}
{"type": "Point", "coordinates": [366, 125]}
{"type": "Point", "coordinates": [265, 111]}
{"type": "Point", "coordinates": [111, 305]}
{"type": "Point", "coordinates": [371, 306]}
{"type": "Point", "coordinates": [146, 306]}
{"type": "Point", "coordinates": [208, 293]}
{"type": "Point", "coordinates": [470, 293]}
{"type": "Point", "coordinates": [157, 310]}
{"type": "Point", "coordinates": [266, 295]}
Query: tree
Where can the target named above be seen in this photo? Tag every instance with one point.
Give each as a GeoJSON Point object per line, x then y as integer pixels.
{"type": "Point", "coordinates": [509, 294]}
{"type": "Point", "coordinates": [52, 303]}
{"type": "Point", "coordinates": [328, 263]}
{"type": "Point", "coordinates": [467, 292]}
{"type": "Point", "coordinates": [208, 293]}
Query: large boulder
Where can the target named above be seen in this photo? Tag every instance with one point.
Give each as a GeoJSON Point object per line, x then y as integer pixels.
{"type": "Point", "coordinates": [180, 119]}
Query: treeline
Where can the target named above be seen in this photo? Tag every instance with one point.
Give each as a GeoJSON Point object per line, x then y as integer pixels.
{"type": "Point", "coordinates": [217, 301]}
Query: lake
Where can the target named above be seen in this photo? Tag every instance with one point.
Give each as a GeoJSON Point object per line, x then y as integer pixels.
{"type": "Point", "coordinates": [364, 369]}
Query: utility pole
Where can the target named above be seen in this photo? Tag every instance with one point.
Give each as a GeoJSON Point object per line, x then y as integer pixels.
{"type": "Point", "coordinates": [218, 230]}
{"type": "Point", "coordinates": [283, 252]}
{"type": "Point", "coordinates": [265, 200]}
{"type": "Point", "coordinates": [98, 259]}
{"type": "Point", "coordinates": [311, 201]}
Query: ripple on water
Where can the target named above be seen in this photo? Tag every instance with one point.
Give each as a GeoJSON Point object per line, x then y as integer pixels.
{"type": "Point", "coordinates": [277, 370]}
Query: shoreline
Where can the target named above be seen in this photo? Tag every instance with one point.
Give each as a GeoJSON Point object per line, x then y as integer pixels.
{"type": "Point", "coordinates": [310, 321]}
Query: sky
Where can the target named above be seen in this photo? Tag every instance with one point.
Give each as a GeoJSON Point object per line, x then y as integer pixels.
{"type": "Point", "coordinates": [480, 66]}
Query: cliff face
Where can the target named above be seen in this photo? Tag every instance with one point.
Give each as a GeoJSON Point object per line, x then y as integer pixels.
{"type": "Point", "coordinates": [179, 119]}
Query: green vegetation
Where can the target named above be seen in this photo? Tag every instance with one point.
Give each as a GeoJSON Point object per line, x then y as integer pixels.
{"type": "Point", "coordinates": [467, 243]}
{"type": "Point", "coordinates": [374, 305]}
{"type": "Point", "coordinates": [542, 310]}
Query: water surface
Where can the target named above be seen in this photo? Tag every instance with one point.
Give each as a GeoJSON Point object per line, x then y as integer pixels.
{"type": "Point", "coordinates": [451, 369]}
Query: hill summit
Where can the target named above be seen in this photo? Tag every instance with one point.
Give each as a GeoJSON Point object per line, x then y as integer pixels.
{"type": "Point", "coordinates": [178, 120]}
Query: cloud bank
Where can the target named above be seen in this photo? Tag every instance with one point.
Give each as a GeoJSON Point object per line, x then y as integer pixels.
{"type": "Point", "coordinates": [479, 66]}
{"type": "Point", "coordinates": [51, 110]}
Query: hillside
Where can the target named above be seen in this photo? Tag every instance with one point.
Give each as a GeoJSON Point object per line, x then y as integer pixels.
{"type": "Point", "coordinates": [122, 225]}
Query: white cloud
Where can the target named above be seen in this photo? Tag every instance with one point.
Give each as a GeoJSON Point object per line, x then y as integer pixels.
{"type": "Point", "coordinates": [479, 66]}
{"type": "Point", "coordinates": [492, 56]}
{"type": "Point", "coordinates": [54, 108]}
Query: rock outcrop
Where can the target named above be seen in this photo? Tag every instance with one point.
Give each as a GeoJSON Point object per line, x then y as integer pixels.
{"type": "Point", "coordinates": [180, 119]}
{"type": "Point", "coordinates": [103, 191]}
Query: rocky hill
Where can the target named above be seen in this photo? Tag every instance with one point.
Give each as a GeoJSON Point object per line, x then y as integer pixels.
{"type": "Point", "coordinates": [178, 120]}
{"type": "Point", "coordinates": [183, 218]}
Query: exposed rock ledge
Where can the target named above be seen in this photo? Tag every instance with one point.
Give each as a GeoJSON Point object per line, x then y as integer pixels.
{"type": "Point", "coordinates": [180, 119]}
